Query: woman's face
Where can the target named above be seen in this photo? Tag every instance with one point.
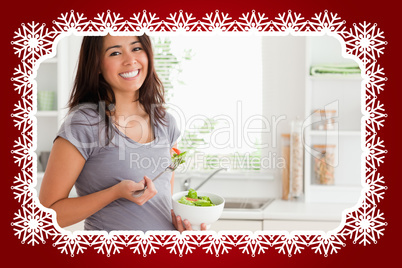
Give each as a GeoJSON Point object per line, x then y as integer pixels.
{"type": "Point", "coordinates": [124, 63]}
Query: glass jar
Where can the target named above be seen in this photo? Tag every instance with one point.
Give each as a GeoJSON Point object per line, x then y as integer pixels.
{"type": "Point", "coordinates": [324, 164]}
{"type": "Point", "coordinates": [296, 159]}
{"type": "Point", "coordinates": [285, 144]}
{"type": "Point", "coordinates": [324, 120]}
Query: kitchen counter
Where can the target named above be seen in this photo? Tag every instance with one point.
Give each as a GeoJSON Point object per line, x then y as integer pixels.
{"type": "Point", "coordinates": [291, 210]}
{"type": "Point", "coordinates": [280, 214]}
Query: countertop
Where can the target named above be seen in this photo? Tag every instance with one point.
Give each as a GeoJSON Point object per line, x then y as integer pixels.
{"type": "Point", "coordinates": [291, 210]}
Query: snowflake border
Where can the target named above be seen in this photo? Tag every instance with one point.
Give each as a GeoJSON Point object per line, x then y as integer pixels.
{"type": "Point", "coordinates": [33, 223]}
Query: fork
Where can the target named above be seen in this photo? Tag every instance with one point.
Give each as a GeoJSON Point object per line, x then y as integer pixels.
{"type": "Point", "coordinates": [172, 167]}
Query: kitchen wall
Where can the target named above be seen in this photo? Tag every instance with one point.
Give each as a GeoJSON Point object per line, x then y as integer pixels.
{"type": "Point", "coordinates": [283, 91]}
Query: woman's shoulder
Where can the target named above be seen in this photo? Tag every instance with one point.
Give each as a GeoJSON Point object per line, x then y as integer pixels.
{"type": "Point", "coordinates": [84, 113]}
{"type": "Point", "coordinates": [169, 120]}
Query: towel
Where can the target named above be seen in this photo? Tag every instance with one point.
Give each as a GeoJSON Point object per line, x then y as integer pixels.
{"type": "Point", "coordinates": [335, 69]}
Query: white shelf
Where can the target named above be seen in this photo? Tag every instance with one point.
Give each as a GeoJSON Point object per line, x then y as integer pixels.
{"type": "Point", "coordinates": [334, 133]}
{"type": "Point", "coordinates": [343, 92]}
{"type": "Point", "coordinates": [334, 193]}
{"type": "Point", "coordinates": [51, 60]}
{"type": "Point", "coordinates": [335, 187]}
{"type": "Point", "coordinates": [47, 114]}
{"type": "Point", "coordinates": [335, 77]}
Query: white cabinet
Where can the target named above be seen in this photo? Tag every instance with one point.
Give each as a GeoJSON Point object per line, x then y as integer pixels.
{"type": "Point", "coordinates": [237, 225]}
{"type": "Point", "coordinates": [273, 225]}
{"type": "Point", "coordinates": [54, 75]}
{"type": "Point", "coordinates": [299, 225]}
{"type": "Point", "coordinates": [343, 95]}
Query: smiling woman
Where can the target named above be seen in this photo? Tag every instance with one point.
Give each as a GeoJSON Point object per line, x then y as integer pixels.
{"type": "Point", "coordinates": [124, 63]}
{"type": "Point", "coordinates": [116, 109]}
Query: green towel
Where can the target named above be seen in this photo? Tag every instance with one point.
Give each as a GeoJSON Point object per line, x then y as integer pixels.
{"type": "Point", "coordinates": [46, 100]}
{"type": "Point", "coordinates": [335, 69]}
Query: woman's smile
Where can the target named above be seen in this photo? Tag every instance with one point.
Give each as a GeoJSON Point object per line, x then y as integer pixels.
{"type": "Point", "coordinates": [131, 74]}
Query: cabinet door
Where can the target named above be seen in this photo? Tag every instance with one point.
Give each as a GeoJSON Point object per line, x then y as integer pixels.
{"type": "Point", "coordinates": [289, 225]}
{"type": "Point", "coordinates": [237, 225]}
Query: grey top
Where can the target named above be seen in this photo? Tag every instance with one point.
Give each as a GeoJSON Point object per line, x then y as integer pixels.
{"type": "Point", "coordinates": [122, 158]}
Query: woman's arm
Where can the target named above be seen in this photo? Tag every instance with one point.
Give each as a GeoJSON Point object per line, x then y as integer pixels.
{"type": "Point", "coordinates": [64, 165]}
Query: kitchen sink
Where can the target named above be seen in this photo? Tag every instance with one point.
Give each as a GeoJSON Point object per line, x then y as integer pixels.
{"type": "Point", "coordinates": [247, 203]}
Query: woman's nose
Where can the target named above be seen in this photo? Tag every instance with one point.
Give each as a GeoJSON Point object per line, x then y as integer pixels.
{"type": "Point", "coordinates": [129, 59]}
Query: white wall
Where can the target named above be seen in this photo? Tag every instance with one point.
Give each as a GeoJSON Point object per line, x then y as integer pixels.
{"type": "Point", "coordinates": [283, 91]}
{"type": "Point", "coordinates": [283, 78]}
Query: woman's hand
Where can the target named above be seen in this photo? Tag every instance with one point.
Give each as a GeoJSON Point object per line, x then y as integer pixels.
{"type": "Point", "coordinates": [185, 225]}
{"type": "Point", "coordinates": [126, 188]}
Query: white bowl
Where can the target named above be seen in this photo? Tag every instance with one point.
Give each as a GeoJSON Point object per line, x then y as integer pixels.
{"type": "Point", "coordinates": [197, 215]}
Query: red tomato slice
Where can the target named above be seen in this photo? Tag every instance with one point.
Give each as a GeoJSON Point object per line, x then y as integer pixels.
{"type": "Point", "coordinates": [191, 199]}
{"type": "Point", "coordinates": [177, 151]}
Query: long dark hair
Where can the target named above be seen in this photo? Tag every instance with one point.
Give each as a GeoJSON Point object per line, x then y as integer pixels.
{"type": "Point", "coordinates": [91, 87]}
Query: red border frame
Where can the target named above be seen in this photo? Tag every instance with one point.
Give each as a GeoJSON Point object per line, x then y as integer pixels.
{"type": "Point", "coordinates": [349, 12]}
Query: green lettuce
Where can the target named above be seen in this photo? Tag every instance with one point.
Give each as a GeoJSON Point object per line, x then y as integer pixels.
{"type": "Point", "coordinates": [199, 201]}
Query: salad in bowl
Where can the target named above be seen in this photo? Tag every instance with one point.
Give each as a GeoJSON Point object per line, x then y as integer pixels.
{"type": "Point", "coordinates": [198, 207]}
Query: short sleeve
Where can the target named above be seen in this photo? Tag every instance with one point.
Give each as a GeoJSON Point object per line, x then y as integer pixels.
{"type": "Point", "coordinates": [173, 129]}
{"type": "Point", "coordinates": [78, 129]}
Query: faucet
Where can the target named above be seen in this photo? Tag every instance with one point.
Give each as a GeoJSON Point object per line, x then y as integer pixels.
{"type": "Point", "coordinates": [186, 183]}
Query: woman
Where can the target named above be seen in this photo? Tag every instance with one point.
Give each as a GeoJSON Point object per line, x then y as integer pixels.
{"type": "Point", "coordinates": [117, 132]}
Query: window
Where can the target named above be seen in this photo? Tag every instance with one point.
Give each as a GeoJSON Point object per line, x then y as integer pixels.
{"type": "Point", "coordinates": [214, 90]}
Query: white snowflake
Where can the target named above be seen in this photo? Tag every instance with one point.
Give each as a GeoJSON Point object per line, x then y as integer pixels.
{"type": "Point", "coordinates": [366, 42]}
{"type": "Point", "coordinates": [145, 244]}
{"type": "Point", "coordinates": [253, 22]}
{"type": "Point", "coordinates": [375, 152]}
{"type": "Point", "coordinates": [144, 22]}
{"type": "Point", "coordinates": [23, 80]}
{"type": "Point", "coordinates": [252, 243]}
{"type": "Point", "coordinates": [180, 22]}
{"type": "Point", "coordinates": [377, 115]}
{"type": "Point", "coordinates": [288, 22]}
{"type": "Point", "coordinates": [365, 225]}
{"type": "Point", "coordinates": [376, 187]}
{"type": "Point", "coordinates": [70, 21]}
{"type": "Point", "coordinates": [108, 243]}
{"type": "Point", "coordinates": [22, 151]}
{"type": "Point", "coordinates": [216, 244]}
{"type": "Point", "coordinates": [183, 243]}
{"type": "Point", "coordinates": [72, 244]}
{"type": "Point", "coordinates": [216, 22]}
{"type": "Point", "coordinates": [21, 115]}
{"type": "Point", "coordinates": [326, 243]}
{"type": "Point", "coordinates": [326, 22]}
{"type": "Point", "coordinates": [288, 244]}
{"type": "Point", "coordinates": [376, 80]}
{"type": "Point", "coordinates": [107, 22]}
{"type": "Point", "coordinates": [32, 225]}
{"type": "Point", "coordinates": [32, 42]}
{"type": "Point", "coordinates": [22, 187]}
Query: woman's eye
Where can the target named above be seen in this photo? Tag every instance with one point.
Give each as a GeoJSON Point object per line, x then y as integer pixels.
{"type": "Point", "coordinates": [137, 49]}
{"type": "Point", "coordinates": [114, 54]}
